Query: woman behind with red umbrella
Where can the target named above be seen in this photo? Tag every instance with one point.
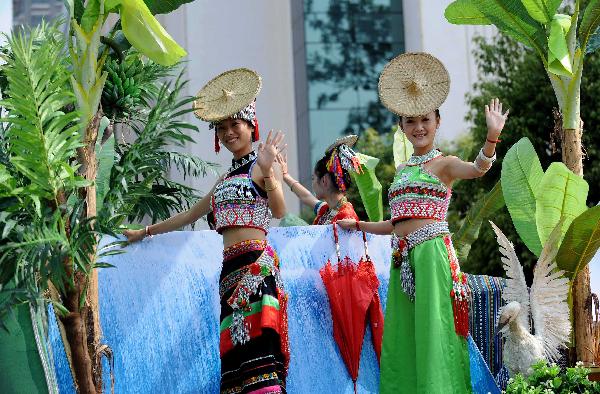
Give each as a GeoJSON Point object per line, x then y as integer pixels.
{"type": "Point", "coordinates": [330, 181]}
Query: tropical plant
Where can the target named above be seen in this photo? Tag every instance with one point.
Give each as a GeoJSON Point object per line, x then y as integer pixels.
{"type": "Point", "coordinates": [377, 145]}
{"type": "Point", "coordinates": [552, 379]}
{"type": "Point", "coordinates": [561, 42]}
{"type": "Point", "coordinates": [56, 169]}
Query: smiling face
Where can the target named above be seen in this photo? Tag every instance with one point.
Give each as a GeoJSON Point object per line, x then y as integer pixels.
{"type": "Point", "coordinates": [420, 130]}
{"type": "Point", "coordinates": [235, 135]}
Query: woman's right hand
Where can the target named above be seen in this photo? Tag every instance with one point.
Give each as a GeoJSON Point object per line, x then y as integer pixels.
{"type": "Point", "coordinates": [347, 224]}
{"type": "Point", "coordinates": [134, 235]}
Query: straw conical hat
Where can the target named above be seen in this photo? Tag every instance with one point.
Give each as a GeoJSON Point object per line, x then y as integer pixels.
{"type": "Point", "coordinates": [227, 94]}
{"type": "Point", "coordinates": [349, 140]}
{"type": "Point", "coordinates": [413, 84]}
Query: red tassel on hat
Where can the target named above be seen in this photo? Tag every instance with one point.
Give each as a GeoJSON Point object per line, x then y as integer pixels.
{"type": "Point", "coordinates": [217, 146]}
{"type": "Point", "coordinates": [256, 136]}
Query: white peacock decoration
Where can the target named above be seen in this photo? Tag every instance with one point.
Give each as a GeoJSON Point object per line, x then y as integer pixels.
{"type": "Point", "coordinates": [545, 302]}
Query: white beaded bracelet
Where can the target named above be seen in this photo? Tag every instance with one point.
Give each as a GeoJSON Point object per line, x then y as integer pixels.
{"type": "Point", "coordinates": [483, 163]}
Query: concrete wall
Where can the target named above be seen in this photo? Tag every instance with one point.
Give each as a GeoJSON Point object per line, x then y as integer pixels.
{"type": "Point", "coordinates": [427, 30]}
{"type": "Point", "coordinates": [236, 33]}
{"type": "Point", "coordinates": [6, 18]}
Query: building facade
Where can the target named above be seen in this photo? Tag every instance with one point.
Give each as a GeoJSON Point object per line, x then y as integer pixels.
{"type": "Point", "coordinates": [31, 12]}
{"type": "Point", "coordinates": [320, 61]}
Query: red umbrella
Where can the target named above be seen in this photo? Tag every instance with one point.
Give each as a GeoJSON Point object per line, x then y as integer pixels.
{"type": "Point", "coordinates": [352, 292]}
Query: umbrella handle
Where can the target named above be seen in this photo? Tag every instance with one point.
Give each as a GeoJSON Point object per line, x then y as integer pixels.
{"type": "Point", "coordinates": [366, 246]}
{"type": "Point", "coordinates": [337, 242]}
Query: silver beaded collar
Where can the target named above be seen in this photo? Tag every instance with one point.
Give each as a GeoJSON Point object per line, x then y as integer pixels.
{"type": "Point", "coordinates": [418, 160]}
{"type": "Point", "coordinates": [242, 161]}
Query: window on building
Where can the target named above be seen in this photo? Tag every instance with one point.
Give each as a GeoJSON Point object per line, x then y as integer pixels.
{"type": "Point", "coordinates": [347, 44]}
{"type": "Point", "coordinates": [31, 12]}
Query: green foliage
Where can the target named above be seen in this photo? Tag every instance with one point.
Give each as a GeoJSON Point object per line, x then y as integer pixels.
{"type": "Point", "coordinates": [138, 24]}
{"type": "Point", "coordinates": [561, 195]}
{"type": "Point", "coordinates": [164, 6]}
{"type": "Point", "coordinates": [465, 12]}
{"type": "Point", "coordinates": [559, 58]}
{"type": "Point", "coordinates": [105, 153]}
{"type": "Point", "coordinates": [580, 243]}
{"type": "Point", "coordinates": [44, 238]}
{"type": "Point", "coordinates": [589, 22]}
{"type": "Point", "coordinates": [369, 187]}
{"type": "Point", "coordinates": [377, 145]}
{"type": "Point", "coordinates": [145, 33]}
{"type": "Point", "coordinates": [516, 75]}
{"type": "Point", "coordinates": [541, 10]}
{"type": "Point", "coordinates": [403, 149]}
{"type": "Point", "coordinates": [484, 209]}
{"type": "Point", "coordinates": [551, 379]}
{"type": "Point", "coordinates": [35, 98]}
{"type": "Point", "coordinates": [47, 236]}
{"type": "Point", "coordinates": [131, 83]}
{"type": "Point", "coordinates": [521, 175]}
{"type": "Point", "coordinates": [139, 181]}
{"type": "Point", "coordinates": [512, 18]}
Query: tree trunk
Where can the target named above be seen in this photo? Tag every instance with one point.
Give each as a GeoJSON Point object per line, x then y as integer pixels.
{"type": "Point", "coordinates": [92, 297]}
{"type": "Point", "coordinates": [75, 329]}
{"type": "Point", "coordinates": [572, 157]}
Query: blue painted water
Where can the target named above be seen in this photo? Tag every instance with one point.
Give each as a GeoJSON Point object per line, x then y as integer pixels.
{"type": "Point", "coordinates": [160, 313]}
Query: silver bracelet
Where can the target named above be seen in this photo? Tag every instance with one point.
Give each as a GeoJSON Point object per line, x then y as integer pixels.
{"type": "Point", "coordinates": [483, 163]}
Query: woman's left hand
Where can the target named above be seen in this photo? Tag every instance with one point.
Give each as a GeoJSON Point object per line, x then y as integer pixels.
{"type": "Point", "coordinates": [268, 151]}
{"type": "Point", "coordinates": [495, 119]}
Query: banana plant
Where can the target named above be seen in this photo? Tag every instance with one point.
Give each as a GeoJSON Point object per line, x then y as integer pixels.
{"type": "Point", "coordinates": [538, 201]}
{"type": "Point", "coordinates": [562, 43]}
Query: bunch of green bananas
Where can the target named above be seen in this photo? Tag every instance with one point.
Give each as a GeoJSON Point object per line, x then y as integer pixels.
{"type": "Point", "coordinates": [122, 92]}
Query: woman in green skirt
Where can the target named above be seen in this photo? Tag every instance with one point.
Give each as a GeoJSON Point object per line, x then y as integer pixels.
{"type": "Point", "coordinates": [426, 321]}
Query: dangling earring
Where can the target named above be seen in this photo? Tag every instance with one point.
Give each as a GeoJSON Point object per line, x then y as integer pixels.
{"type": "Point", "coordinates": [217, 145]}
{"type": "Point", "coordinates": [255, 134]}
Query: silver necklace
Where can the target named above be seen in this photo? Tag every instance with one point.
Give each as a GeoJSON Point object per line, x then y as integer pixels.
{"type": "Point", "coordinates": [418, 160]}
{"type": "Point", "coordinates": [242, 162]}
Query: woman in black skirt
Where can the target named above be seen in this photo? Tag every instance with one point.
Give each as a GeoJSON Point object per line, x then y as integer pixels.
{"type": "Point", "coordinates": [253, 325]}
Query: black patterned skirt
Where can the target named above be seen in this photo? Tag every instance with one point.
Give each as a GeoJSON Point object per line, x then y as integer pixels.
{"type": "Point", "coordinates": [253, 333]}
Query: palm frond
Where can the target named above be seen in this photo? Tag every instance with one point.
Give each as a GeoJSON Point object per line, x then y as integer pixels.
{"type": "Point", "coordinates": [140, 184]}
{"type": "Point", "coordinates": [42, 137]}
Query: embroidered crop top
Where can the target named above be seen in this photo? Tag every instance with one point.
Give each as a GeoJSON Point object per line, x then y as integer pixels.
{"type": "Point", "coordinates": [238, 201]}
{"type": "Point", "coordinates": [416, 193]}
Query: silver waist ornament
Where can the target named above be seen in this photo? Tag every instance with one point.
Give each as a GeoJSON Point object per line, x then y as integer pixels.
{"type": "Point", "coordinates": [250, 284]}
{"type": "Point", "coordinates": [402, 245]}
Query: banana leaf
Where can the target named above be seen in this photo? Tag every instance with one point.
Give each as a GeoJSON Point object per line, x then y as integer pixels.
{"type": "Point", "coordinates": [164, 6]}
{"type": "Point", "coordinates": [482, 210]}
{"type": "Point", "coordinates": [520, 177]}
{"type": "Point", "coordinates": [560, 195]}
{"type": "Point", "coordinates": [369, 187]}
{"type": "Point", "coordinates": [589, 22]}
{"type": "Point", "coordinates": [144, 32]}
{"type": "Point", "coordinates": [465, 12]}
{"type": "Point", "coordinates": [105, 152]}
{"type": "Point", "coordinates": [541, 10]}
{"type": "Point", "coordinates": [511, 17]}
{"type": "Point", "coordinates": [559, 59]}
{"type": "Point", "coordinates": [593, 43]}
{"type": "Point", "coordinates": [403, 149]}
{"type": "Point", "coordinates": [580, 243]}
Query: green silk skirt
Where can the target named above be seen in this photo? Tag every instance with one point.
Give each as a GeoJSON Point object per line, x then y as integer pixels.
{"type": "Point", "coordinates": [421, 351]}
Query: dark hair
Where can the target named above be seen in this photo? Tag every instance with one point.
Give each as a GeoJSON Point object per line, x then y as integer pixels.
{"type": "Point", "coordinates": [321, 171]}
{"type": "Point", "coordinates": [437, 115]}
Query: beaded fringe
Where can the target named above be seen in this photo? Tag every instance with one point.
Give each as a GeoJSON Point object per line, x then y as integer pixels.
{"type": "Point", "coordinates": [460, 291]}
